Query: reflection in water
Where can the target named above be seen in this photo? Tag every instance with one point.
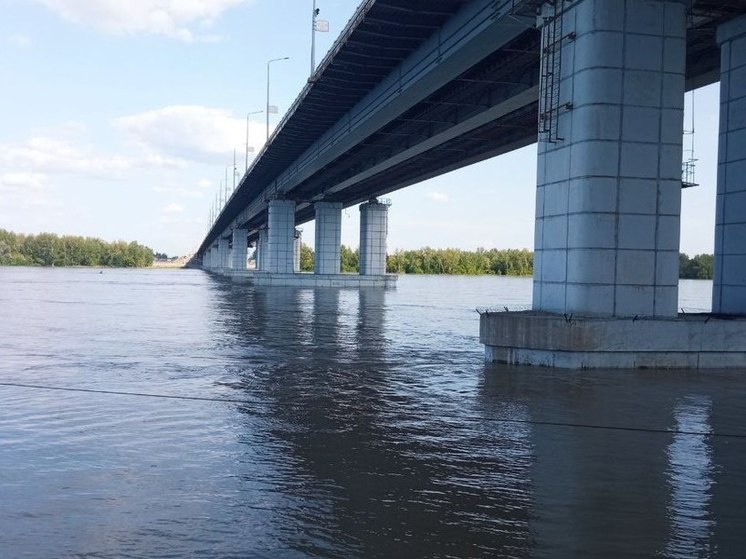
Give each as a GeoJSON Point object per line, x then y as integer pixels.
{"type": "Point", "coordinates": [690, 476]}
{"type": "Point", "coordinates": [366, 425]}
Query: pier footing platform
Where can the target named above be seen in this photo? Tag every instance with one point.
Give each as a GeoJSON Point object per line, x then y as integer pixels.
{"type": "Point", "coordinates": [689, 341]}
{"type": "Point", "coordinates": [308, 279]}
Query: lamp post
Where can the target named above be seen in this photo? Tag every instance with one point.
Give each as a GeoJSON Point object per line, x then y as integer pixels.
{"type": "Point", "coordinates": [316, 25]}
{"type": "Point", "coordinates": [247, 137]}
{"type": "Point", "coordinates": [268, 63]}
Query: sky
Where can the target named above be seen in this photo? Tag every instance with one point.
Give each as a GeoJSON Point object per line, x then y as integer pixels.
{"type": "Point", "coordinates": [119, 119]}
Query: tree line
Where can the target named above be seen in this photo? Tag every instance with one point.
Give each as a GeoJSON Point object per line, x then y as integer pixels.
{"type": "Point", "coordinates": [511, 262]}
{"type": "Point", "coordinates": [437, 261]}
{"type": "Point", "coordinates": [47, 249]}
{"type": "Point", "coordinates": [696, 267]}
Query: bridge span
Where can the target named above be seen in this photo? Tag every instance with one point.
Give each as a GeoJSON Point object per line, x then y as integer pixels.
{"type": "Point", "coordinates": [415, 88]}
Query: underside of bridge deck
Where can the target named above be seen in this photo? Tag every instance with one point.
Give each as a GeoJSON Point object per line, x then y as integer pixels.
{"type": "Point", "coordinates": [488, 109]}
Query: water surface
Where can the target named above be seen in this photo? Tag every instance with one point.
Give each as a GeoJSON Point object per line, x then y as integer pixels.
{"type": "Point", "coordinates": [340, 423]}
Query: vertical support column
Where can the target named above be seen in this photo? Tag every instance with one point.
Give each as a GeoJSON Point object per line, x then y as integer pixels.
{"type": "Point", "coordinates": [281, 236]}
{"type": "Point", "coordinates": [240, 248]}
{"type": "Point", "coordinates": [214, 256]}
{"type": "Point", "coordinates": [261, 249]}
{"type": "Point", "coordinates": [608, 201]}
{"type": "Point", "coordinates": [374, 226]}
{"type": "Point", "coordinates": [298, 243]}
{"type": "Point", "coordinates": [729, 285]}
{"type": "Point", "coordinates": [223, 253]}
{"type": "Point", "coordinates": [328, 237]}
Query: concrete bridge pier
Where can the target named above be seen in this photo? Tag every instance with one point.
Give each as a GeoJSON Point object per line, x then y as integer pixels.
{"type": "Point", "coordinates": [729, 286]}
{"type": "Point", "coordinates": [240, 249]}
{"type": "Point", "coordinates": [224, 254]}
{"type": "Point", "coordinates": [608, 198]}
{"type": "Point", "coordinates": [297, 244]}
{"type": "Point", "coordinates": [213, 260]}
{"type": "Point", "coordinates": [374, 225]}
{"type": "Point", "coordinates": [281, 242]}
{"type": "Point", "coordinates": [328, 239]}
{"type": "Point", "coordinates": [261, 249]}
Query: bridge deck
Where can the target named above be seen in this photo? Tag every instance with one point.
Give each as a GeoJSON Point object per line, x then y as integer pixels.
{"type": "Point", "coordinates": [413, 89]}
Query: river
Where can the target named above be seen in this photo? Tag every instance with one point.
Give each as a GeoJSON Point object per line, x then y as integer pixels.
{"type": "Point", "coordinates": [168, 413]}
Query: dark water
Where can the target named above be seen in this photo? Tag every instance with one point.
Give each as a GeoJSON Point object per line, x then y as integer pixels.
{"type": "Point", "coordinates": [360, 424]}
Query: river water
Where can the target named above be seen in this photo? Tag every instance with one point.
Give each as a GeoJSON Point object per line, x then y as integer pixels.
{"type": "Point", "coordinates": [162, 413]}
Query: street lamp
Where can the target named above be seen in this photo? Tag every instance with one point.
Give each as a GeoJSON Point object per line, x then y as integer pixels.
{"type": "Point", "coordinates": [268, 107]}
{"type": "Point", "coordinates": [247, 136]}
{"type": "Point", "coordinates": [316, 25]}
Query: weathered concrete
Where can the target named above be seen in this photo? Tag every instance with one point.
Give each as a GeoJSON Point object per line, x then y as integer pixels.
{"type": "Point", "coordinates": [374, 226]}
{"type": "Point", "coordinates": [698, 341]}
{"type": "Point", "coordinates": [240, 249]}
{"type": "Point", "coordinates": [328, 237]}
{"type": "Point", "coordinates": [729, 285]}
{"type": "Point", "coordinates": [609, 183]}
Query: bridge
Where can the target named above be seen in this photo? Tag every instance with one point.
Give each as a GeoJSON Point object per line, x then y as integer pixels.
{"type": "Point", "coordinates": [415, 88]}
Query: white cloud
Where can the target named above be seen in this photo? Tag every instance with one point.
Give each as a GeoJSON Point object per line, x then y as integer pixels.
{"type": "Point", "coordinates": [172, 18]}
{"type": "Point", "coordinates": [180, 191]}
{"type": "Point", "coordinates": [187, 132]}
{"type": "Point", "coordinates": [173, 209]}
{"type": "Point", "coordinates": [58, 152]}
{"type": "Point", "coordinates": [438, 197]}
{"type": "Point", "coordinates": [20, 41]}
{"type": "Point", "coordinates": [48, 154]}
{"type": "Point", "coordinates": [205, 183]}
{"type": "Point", "coordinates": [22, 181]}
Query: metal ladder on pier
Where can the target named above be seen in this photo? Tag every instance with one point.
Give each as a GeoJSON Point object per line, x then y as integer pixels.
{"type": "Point", "coordinates": [552, 39]}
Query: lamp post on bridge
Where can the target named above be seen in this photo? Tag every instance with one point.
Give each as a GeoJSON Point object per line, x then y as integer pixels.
{"type": "Point", "coordinates": [247, 137]}
{"type": "Point", "coordinates": [320, 25]}
{"type": "Point", "coordinates": [268, 105]}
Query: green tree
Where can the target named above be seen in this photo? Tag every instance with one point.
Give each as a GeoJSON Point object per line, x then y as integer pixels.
{"type": "Point", "coordinates": [306, 258]}
{"type": "Point", "coordinates": [47, 249]}
{"type": "Point", "coordinates": [349, 260]}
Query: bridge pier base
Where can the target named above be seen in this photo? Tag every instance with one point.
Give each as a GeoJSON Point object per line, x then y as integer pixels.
{"type": "Point", "coordinates": [696, 341]}
{"type": "Point", "coordinates": [729, 285]}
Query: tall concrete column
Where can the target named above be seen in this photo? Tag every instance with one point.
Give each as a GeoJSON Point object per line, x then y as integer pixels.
{"type": "Point", "coordinates": [297, 244]}
{"type": "Point", "coordinates": [328, 237]}
{"type": "Point", "coordinates": [261, 249]}
{"type": "Point", "coordinates": [374, 226]}
{"type": "Point", "coordinates": [223, 253]}
{"type": "Point", "coordinates": [729, 285]}
{"type": "Point", "coordinates": [281, 236]}
{"type": "Point", "coordinates": [608, 200]}
{"type": "Point", "coordinates": [240, 246]}
{"type": "Point", "coordinates": [214, 262]}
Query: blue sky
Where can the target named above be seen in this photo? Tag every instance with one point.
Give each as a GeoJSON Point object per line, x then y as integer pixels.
{"type": "Point", "coordinates": [118, 120]}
